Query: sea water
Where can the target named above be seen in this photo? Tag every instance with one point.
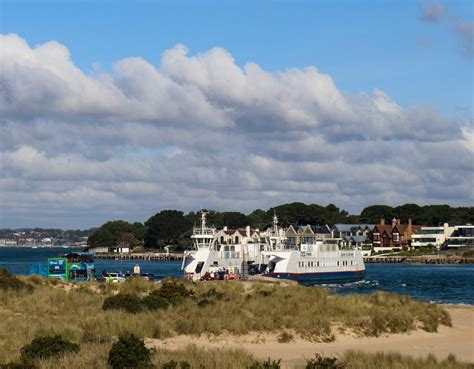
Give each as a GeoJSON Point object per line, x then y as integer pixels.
{"type": "Point", "coordinates": [450, 284]}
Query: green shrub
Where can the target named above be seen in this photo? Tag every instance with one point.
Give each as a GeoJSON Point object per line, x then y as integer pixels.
{"type": "Point", "coordinates": [123, 301]}
{"type": "Point", "coordinates": [204, 302]}
{"type": "Point", "coordinates": [468, 254]}
{"type": "Point", "coordinates": [170, 365]}
{"type": "Point", "coordinates": [285, 337]}
{"type": "Point", "coordinates": [267, 364]}
{"type": "Point", "coordinates": [184, 365]}
{"type": "Point", "coordinates": [47, 346]}
{"type": "Point", "coordinates": [154, 301]}
{"type": "Point", "coordinates": [213, 294]}
{"type": "Point", "coordinates": [174, 365]}
{"type": "Point", "coordinates": [20, 365]}
{"type": "Point", "coordinates": [10, 282]}
{"type": "Point", "coordinates": [129, 352]}
{"type": "Point", "coordinates": [320, 362]}
{"type": "Point", "coordinates": [174, 292]}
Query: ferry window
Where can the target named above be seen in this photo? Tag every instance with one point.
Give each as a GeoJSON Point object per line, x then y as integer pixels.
{"type": "Point", "coordinates": [199, 267]}
{"type": "Point", "coordinates": [318, 263]}
{"type": "Point", "coordinates": [351, 262]}
{"type": "Point", "coordinates": [337, 263]}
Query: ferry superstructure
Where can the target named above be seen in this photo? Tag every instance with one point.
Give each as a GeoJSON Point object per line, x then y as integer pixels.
{"type": "Point", "coordinates": [208, 255]}
{"type": "Point", "coordinates": [317, 262]}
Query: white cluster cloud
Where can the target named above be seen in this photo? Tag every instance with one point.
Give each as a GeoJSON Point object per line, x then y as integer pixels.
{"type": "Point", "coordinates": [77, 149]}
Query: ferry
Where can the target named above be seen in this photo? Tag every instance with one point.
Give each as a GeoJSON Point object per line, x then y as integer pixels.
{"type": "Point", "coordinates": [319, 262]}
{"type": "Point", "coordinates": [208, 259]}
{"type": "Point", "coordinates": [312, 263]}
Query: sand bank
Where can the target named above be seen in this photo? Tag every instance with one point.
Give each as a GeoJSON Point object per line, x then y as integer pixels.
{"type": "Point", "coordinates": [458, 340]}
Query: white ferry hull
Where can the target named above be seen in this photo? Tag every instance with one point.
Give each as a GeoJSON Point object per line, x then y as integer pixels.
{"type": "Point", "coordinates": [318, 263]}
{"type": "Point", "coordinates": [321, 277]}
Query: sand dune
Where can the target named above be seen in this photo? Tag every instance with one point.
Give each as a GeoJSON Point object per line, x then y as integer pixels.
{"type": "Point", "coordinates": [458, 340]}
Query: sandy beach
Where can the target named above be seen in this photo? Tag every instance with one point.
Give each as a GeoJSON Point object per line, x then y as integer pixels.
{"type": "Point", "coordinates": [458, 340]}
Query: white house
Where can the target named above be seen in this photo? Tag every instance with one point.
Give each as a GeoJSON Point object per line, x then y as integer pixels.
{"type": "Point", "coordinates": [462, 236]}
{"type": "Point", "coordinates": [435, 236]}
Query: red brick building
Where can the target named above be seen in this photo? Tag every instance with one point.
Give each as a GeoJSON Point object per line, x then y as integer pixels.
{"type": "Point", "coordinates": [393, 235]}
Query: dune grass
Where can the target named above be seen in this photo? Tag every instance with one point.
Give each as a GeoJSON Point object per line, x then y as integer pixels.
{"type": "Point", "coordinates": [380, 360]}
{"type": "Point", "coordinates": [75, 312]}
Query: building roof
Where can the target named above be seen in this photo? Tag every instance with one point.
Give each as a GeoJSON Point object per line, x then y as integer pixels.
{"type": "Point", "coordinates": [358, 238]}
{"type": "Point", "coordinates": [320, 229]}
{"type": "Point", "coordinates": [341, 227]}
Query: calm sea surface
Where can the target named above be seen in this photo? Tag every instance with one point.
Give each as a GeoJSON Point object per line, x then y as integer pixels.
{"type": "Point", "coordinates": [451, 284]}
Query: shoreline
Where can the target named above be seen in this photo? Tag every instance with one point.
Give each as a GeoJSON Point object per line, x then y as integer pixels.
{"type": "Point", "coordinates": [457, 340]}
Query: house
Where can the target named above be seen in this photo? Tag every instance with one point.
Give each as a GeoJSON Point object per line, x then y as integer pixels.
{"type": "Point", "coordinates": [237, 236]}
{"type": "Point", "coordinates": [462, 236]}
{"type": "Point", "coordinates": [395, 235]}
{"type": "Point", "coordinates": [307, 234]}
{"type": "Point", "coordinates": [434, 236]}
{"type": "Point", "coordinates": [353, 235]}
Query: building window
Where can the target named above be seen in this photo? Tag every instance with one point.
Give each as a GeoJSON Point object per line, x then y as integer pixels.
{"type": "Point", "coordinates": [396, 237]}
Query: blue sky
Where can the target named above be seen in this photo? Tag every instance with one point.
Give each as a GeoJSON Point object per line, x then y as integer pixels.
{"type": "Point", "coordinates": [361, 44]}
{"type": "Point", "coordinates": [118, 109]}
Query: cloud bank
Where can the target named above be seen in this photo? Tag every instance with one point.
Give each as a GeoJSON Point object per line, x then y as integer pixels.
{"type": "Point", "coordinates": [77, 149]}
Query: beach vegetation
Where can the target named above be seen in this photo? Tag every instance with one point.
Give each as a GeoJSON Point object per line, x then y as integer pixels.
{"type": "Point", "coordinates": [321, 362]}
{"type": "Point", "coordinates": [171, 308]}
{"type": "Point", "coordinates": [129, 352]}
{"type": "Point", "coordinates": [123, 301]}
{"type": "Point", "coordinates": [175, 365]}
{"type": "Point", "coordinates": [266, 364]}
{"type": "Point", "coordinates": [285, 337]}
{"type": "Point", "coordinates": [47, 346]}
{"type": "Point", "coordinates": [10, 282]}
{"type": "Point", "coordinates": [154, 301]}
{"type": "Point", "coordinates": [393, 360]}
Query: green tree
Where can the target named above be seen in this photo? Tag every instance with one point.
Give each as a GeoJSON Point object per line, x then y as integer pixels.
{"type": "Point", "coordinates": [234, 219]}
{"type": "Point", "coordinates": [373, 214]}
{"type": "Point", "coordinates": [165, 227]}
{"type": "Point", "coordinates": [113, 232]}
{"type": "Point", "coordinates": [260, 219]}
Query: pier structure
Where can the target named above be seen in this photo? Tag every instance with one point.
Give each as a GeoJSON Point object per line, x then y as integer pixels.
{"type": "Point", "coordinates": [431, 259]}
{"type": "Point", "coordinates": [153, 256]}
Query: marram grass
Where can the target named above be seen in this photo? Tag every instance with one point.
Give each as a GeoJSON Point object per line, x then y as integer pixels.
{"type": "Point", "coordinates": [74, 311]}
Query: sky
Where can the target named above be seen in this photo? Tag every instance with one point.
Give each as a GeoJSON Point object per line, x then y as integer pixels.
{"type": "Point", "coordinates": [119, 109]}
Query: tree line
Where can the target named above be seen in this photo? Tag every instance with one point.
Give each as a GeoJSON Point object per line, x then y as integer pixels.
{"type": "Point", "coordinates": [174, 227]}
